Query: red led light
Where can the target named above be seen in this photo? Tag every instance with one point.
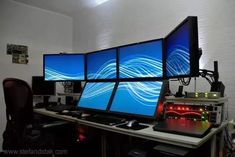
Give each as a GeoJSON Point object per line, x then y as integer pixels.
{"type": "Point", "coordinates": [171, 107]}
{"type": "Point", "coordinates": [187, 108]}
{"type": "Point", "coordinates": [179, 108]}
{"type": "Point", "coordinates": [182, 108]}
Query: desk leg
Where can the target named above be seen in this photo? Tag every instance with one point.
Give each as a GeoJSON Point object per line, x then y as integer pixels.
{"type": "Point", "coordinates": [221, 144]}
{"type": "Point", "coordinates": [213, 146]}
{"type": "Point", "coordinates": [103, 145]}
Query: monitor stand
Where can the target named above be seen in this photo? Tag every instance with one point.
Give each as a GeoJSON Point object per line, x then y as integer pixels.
{"type": "Point", "coordinates": [46, 100]}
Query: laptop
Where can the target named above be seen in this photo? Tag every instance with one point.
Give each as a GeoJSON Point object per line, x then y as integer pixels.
{"type": "Point", "coordinates": [184, 127]}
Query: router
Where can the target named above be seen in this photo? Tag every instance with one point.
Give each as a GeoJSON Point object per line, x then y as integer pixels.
{"type": "Point", "coordinates": [207, 95]}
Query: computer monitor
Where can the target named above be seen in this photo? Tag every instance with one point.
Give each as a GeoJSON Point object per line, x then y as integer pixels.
{"type": "Point", "coordinates": [181, 52]}
{"type": "Point", "coordinates": [63, 67]}
{"type": "Point", "coordinates": [43, 88]}
{"type": "Point", "coordinates": [96, 96]}
{"type": "Point", "coordinates": [137, 98]}
{"type": "Point", "coordinates": [102, 65]}
{"type": "Point", "coordinates": [141, 60]}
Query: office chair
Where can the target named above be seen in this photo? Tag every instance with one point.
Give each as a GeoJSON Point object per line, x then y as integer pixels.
{"type": "Point", "coordinates": [20, 132]}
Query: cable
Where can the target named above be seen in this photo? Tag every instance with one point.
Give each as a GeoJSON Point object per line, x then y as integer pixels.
{"type": "Point", "coordinates": [228, 143]}
{"type": "Point", "coordinates": [207, 74]}
{"type": "Point", "coordinates": [184, 82]}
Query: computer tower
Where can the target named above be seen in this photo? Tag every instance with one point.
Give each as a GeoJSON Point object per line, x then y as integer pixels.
{"type": "Point", "coordinates": [165, 150]}
{"type": "Point", "coordinates": [77, 87]}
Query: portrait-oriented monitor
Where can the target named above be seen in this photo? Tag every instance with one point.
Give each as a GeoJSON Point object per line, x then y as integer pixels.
{"type": "Point", "coordinates": [102, 65]}
{"type": "Point", "coordinates": [137, 98]}
{"type": "Point", "coordinates": [181, 53]}
{"type": "Point", "coordinates": [141, 60]}
{"type": "Point", "coordinates": [41, 87]}
{"type": "Point", "coordinates": [63, 67]}
{"type": "Point", "coordinates": [96, 95]}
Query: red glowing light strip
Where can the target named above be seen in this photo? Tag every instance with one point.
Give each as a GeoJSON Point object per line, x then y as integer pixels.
{"type": "Point", "coordinates": [195, 113]}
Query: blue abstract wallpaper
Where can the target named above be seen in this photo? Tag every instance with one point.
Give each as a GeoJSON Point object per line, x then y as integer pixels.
{"type": "Point", "coordinates": [102, 65]}
{"type": "Point", "coordinates": [96, 95]}
{"type": "Point", "coordinates": [138, 98]}
{"type": "Point", "coordinates": [141, 60]}
{"type": "Point", "coordinates": [177, 52]}
{"type": "Point", "coordinates": [64, 67]}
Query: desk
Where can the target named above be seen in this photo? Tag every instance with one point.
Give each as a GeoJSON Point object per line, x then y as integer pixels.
{"type": "Point", "coordinates": [148, 133]}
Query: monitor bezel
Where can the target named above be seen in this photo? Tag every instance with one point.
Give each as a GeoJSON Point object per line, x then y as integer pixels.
{"type": "Point", "coordinates": [138, 116]}
{"type": "Point", "coordinates": [64, 54]}
{"type": "Point", "coordinates": [193, 48]}
{"type": "Point", "coordinates": [106, 79]}
{"type": "Point", "coordinates": [53, 82]}
{"type": "Point", "coordinates": [141, 78]}
{"type": "Point", "coordinates": [97, 110]}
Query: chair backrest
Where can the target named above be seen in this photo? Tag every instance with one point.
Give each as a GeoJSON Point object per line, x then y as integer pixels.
{"type": "Point", "coordinates": [19, 101]}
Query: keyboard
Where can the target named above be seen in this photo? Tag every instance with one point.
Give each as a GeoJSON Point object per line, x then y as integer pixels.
{"type": "Point", "coordinates": [42, 105]}
{"type": "Point", "coordinates": [60, 108]}
{"type": "Point", "coordinates": [104, 119]}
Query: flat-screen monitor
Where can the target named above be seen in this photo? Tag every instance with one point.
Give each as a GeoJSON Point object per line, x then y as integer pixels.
{"type": "Point", "coordinates": [41, 87]}
{"type": "Point", "coordinates": [137, 98]}
{"type": "Point", "coordinates": [141, 60]}
{"type": "Point", "coordinates": [63, 67]}
{"type": "Point", "coordinates": [96, 95]}
{"type": "Point", "coordinates": [102, 65]}
{"type": "Point", "coordinates": [181, 53]}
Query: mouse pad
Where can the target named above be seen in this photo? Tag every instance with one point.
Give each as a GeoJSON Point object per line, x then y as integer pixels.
{"type": "Point", "coordinates": [139, 127]}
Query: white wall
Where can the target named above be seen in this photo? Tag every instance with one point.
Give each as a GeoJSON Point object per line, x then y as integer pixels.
{"type": "Point", "coordinates": [121, 22]}
{"type": "Point", "coordinates": [42, 31]}
{"type": "Point", "coordinates": [115, 23]}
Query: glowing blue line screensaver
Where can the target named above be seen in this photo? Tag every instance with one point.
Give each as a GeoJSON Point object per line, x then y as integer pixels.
{"type": "Point", "coordinates": [64, 67]}
{"type": "Point", "coordinates": [139, 98]}
{"type": "Point", "coordinates": [141, 60]}
{"type": "Point", "coordinates": [102, 65]}
{"type": "Point", "coordinates": [96, 95]}
{"type": "Point", "coordinates": [177, 52]}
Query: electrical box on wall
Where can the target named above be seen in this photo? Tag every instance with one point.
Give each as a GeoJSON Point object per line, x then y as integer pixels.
{"type": "Point", "coordinates": [19, 53]}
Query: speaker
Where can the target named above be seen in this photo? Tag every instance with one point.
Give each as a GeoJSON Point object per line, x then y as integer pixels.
{"type": "Point", "coordinates": [218, 87]}
{"type": "Point", "coordinates": [77, 87]}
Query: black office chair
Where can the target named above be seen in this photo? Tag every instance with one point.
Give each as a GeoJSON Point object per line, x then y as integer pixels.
{"type": "Point", "coordinates": [20, 132]}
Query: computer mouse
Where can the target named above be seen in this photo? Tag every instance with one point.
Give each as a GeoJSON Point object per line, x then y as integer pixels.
{"type": "Point", "coordinates": [76, 114]}
{"type": "Point", "coordinates": [132, 123]}
{"type": "Point", "coordinates": [65, 111]}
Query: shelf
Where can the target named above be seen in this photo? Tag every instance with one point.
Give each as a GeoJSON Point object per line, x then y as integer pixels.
{"type": "Point", "coordinates": [172, 99]}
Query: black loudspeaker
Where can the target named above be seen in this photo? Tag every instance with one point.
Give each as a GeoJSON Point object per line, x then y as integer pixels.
{"type": "Point", "coordinates": [77, 87]}
{"type": "Point", "coordinates": [218, 87]}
